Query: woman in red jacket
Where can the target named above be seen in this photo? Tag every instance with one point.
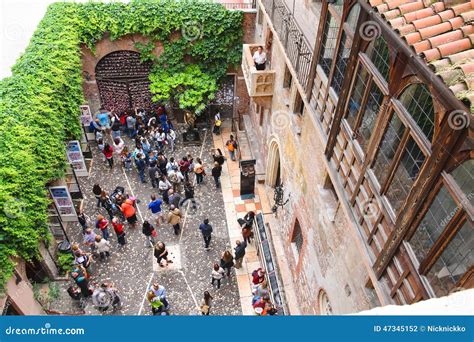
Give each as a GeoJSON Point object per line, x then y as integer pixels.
{"type": "Point", "coordinates": [103, 224]}
{"type": "Point", "coordinates": [108, 153]}
{"type": "Point", "coordinates": [118, 228]}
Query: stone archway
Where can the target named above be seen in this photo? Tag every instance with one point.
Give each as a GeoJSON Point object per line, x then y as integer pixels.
{"type": "Point", "coordinates": [273, 165]}
{"type": "Point", "coordinates": [122, 80]}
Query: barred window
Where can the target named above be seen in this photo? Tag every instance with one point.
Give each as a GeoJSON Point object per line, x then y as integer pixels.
{"type": "Point", "coordinates": [328, 42]}
{"type": "Point", "coordinates": [355, 101]}
{"type": "Point", "coordinates": [379, 54]}
{"type": "Point", "coordinates": [297, 240]}
{"type": "Point", "coordinates": [417, 100]}
{"type": "Point", "coordinates": [372, 107]}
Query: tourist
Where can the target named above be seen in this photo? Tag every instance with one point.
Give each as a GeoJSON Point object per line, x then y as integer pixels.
{"type": "Point", "coordinates": [103, 247]}
{"type": "Point", "coordinates": [184, 168]}
{"type": "Point", "coordinates": [160, 292]}
{"type": "Point", "coordinates": [175, 198]}
{"type": "Point", "coordinates": [107, 203]}
{"type": "Point", "coordinates": [110, 289]}
{"type": "Point", "coordinates": [216, 173]}
{"type": "Point", "coordinates": [162, 162]}
{"type": "Point", "coordinates": [89, 239]}
{"type": "Point", "coordinates": [140, 164]}
{"type": "Point", "coordinates": [116, 125]}
{"type": "Point", "coordinates": [206, 304]}
{"type": "Point", "coordinates": [217, 124]}
{"type": "Point", "coordinates": [103, 225]}
{"type": "Point", "coordinates": [199, 171]}
{"type": "Point", "coordinates": [172, 165]}
{"type": "Point", "coordinates": [157, 306]}
{"type": "Point", "coordinates": [155, 207]}
{"type": "Point", "coordinates": [239, 252]}
{"type": "Point", "coordinates": [108, 153]}
{"type": "Point", "coordinates": [206, 231]}
{"type": "Point", "coordinates": [260, 58]}
{"type": "Point", "coordinates": [232, 146]}
{"type": "Point", "coordinates": [227, 261]}
{"type": "Point", "coordinates": [104, 118]}
{"type": "Point", "coordinates": [217, 275]}
{"type": "Point", "coordinates": [161, 253]}
{"type": "Point", "coordinates": [152, 173]}
{"type": "Point", "coordinates": [176, 178]}
{"type": "Point", "coordinates": [189, 195]}
{"type": "Point", "coordinates": [83, 260]}
{"type": "Point", "coordinates": [129, 212]}
{"type": "Point", "coordinates": [83, 219]}
{"type": "Point", "coordinates": [160, 138]}
{"type": "Point", "coordinates": [258, 276]}
{"type": "Point", "coordinates": [149, 231]}
{"type": "Point", "coordinates": [118, 229]}
{"type": "Point", "coordinates": [171, 138]}
{"type": "Point", "coordinates": [174, 218]}
{"type": "Point", "coordinates": [246, 224]}
{"type": "Point", "coordinates": [164, 185]}
{"type": "Point", "coordinates": [81, 281]}
{"type": "Point", "coordinates": [218, 156]}
{"type": "Point", "coordinates": [119, 146]}
{"type": "Point", "coordinates": [126, 158]}
{"type": "Point", "coordinates": [97, 191]}
{"type": "Point", "coordinates": [131, 126]}
{"type": "Point", "coordinates": [261, 290]}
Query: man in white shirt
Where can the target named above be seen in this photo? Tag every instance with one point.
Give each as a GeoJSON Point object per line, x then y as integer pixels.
{"type": "Point", "coordinates": [260, 58]}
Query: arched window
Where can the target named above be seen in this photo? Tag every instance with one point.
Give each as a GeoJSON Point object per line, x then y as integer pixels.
{"type": "Point", "coordinates": [329, 36]}
{"type": "Point", "coordinates": [297, 241]}
{"type": "Point", "coordinates": [344, 49]}
{"type": "Point", "coordinates": [464, 177]}
{"type": "Point", "coordinates": [325, 307]}
{"type": "Point", "coordinates": [417, 100]}
{"type": "Point", "coordinates": [379, 54]}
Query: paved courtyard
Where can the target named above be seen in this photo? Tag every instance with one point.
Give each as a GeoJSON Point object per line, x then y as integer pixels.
{"type": "Point", "coordinates": [133, 268]}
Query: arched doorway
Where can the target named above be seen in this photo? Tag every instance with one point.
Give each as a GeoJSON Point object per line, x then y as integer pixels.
{"type": "Point", "coordinates": [123, 82]}
{"type": "Point", "coordinates": [273, 165]}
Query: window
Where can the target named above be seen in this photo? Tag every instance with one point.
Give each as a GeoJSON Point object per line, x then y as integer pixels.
{"type": "Point", "coordinates": [372, 107]}
{"type": "Point", "coordinates": [433, 223]}
{"type": "Point", "coordinates": [325, 307]}
{"type": "Point", "coordinates": [357, 95]}
{"type": "Point", "coordinates": [328, 42]}
{"type": "Point", "coordinates": [344, 50]}
{"type": "Point", "coordinates": [464, 176]}
{"type": "Point", "coordinates": [297, 241]}
{"type": "Point", "coordinates": [298, 107]}
{"type": "Point", "coordinates": [405, 175]}
{"type": "Point", "coordinates": [388, 148]}
{"type": "Point", "coordinates": [379, 54]}
{"type": "Point", "coordinates": [287, 79]}
{"type": "Point", "coordinates": [417, 101]}
{"type": "Point", "coordinates": [260, 16]}
{"type": "Point", "coordinates": [455, 260]}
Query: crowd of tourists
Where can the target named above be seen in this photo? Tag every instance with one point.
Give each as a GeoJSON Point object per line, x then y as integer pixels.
{"type": "Point", "coordinates": [153, 155]}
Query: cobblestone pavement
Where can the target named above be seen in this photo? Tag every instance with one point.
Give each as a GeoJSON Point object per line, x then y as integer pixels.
{"type": "Point", "coordinates": [132, 268]}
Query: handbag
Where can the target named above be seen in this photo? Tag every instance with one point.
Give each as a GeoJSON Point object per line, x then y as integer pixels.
{"type": "Point", "coordinates": [153, 233]}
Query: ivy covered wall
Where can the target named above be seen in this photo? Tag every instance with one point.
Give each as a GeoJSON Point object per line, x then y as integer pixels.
{"type": "Point", "coordinates": [39, 102]}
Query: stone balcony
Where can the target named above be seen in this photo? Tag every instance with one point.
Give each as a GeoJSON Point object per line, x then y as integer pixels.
{"type": "Point", "coordinates": [259, 83]}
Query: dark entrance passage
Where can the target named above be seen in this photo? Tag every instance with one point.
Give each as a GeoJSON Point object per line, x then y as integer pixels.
{"type": "Point", "coordinates": [123, 82]}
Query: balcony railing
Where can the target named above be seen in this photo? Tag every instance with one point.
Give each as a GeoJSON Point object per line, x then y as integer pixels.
{"type": "Point", "coordinates": [259, 82]}
{"type": "Point", "coordinates": [291, 36]}
{"type": "Point", "coordinates": [235, 5]}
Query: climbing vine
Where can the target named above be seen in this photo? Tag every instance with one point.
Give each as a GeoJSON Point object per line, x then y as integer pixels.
{"type": "Point", "coordinates": [39, 102]}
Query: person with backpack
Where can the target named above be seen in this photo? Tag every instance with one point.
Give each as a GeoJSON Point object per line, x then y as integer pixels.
{"type": "Point", "coordinates": [216, 173]}
{"type": "Point", "coordinates": [232, 146]}
{"type": "Point", "coordinates": [152, 172]}
{"type": "Point", "coordinates": [118, 229]}
{"type": "Point", "coordinates": [164, 185]}
{"type": "Point", "coordinates": [206, 231]}
{"type": "Point", "coordinates": [115, 126]}
{"type": "Point", "coordinates": [188, 195]}
{"type": "Point", "coordinates": [199, 171]}
{"type": "Point", "coordinates": [218, 156]}
{"type": "Point", "coordinates": [149, 231]}
{"type": "Point", "coordinates": [217, 275]}
{"type": "Point", "coordinates": [217, 124]}
{"type": "Point", "coordinates": [103, 225]}
{"type": "Point", "coordinates": [161, 253]}
{"type": "Point", "coordinates": [174, 218]}
{"type": "Point", "coordinates": [97, 191]}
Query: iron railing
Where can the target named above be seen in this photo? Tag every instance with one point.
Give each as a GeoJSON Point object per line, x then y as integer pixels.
{"type": "Point", "coordinates": [291, 36]}
{"type": "Point", "coordinates": [238, 5]}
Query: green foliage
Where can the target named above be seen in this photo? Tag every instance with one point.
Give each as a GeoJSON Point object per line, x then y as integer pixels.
{"type": "Point", "coordinates": [65, 262]}
{"type": "Point", "coordinates": [39, 102]}
{"type": "Point", "coordinates": [191, 88]}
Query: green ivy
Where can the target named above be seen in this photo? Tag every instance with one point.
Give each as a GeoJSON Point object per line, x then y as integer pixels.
{"type": "Point", "coordinates": [39, 102]}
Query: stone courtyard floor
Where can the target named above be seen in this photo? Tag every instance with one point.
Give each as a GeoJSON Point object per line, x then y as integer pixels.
{"type": "Point", "coordinates": [133, 268]}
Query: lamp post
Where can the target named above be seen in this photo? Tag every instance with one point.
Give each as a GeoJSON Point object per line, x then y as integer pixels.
{"type": "Point", "coordinates": [278, 198]}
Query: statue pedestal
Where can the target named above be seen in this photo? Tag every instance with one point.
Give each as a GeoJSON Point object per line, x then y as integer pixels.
{"type": "Point", "coordinates": [191, 137]}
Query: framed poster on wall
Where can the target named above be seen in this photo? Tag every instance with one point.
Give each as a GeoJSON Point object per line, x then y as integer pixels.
{"type": "Point", "coordinates": [76, 158]}
{"type": "Point", "coordinates": [86, 115]}
{"type": "Point", "coordinates": [63, 202]}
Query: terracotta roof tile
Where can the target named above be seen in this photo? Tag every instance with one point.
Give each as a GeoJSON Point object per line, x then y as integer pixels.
{"type": "Point", "coordinates": [441, 32]}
